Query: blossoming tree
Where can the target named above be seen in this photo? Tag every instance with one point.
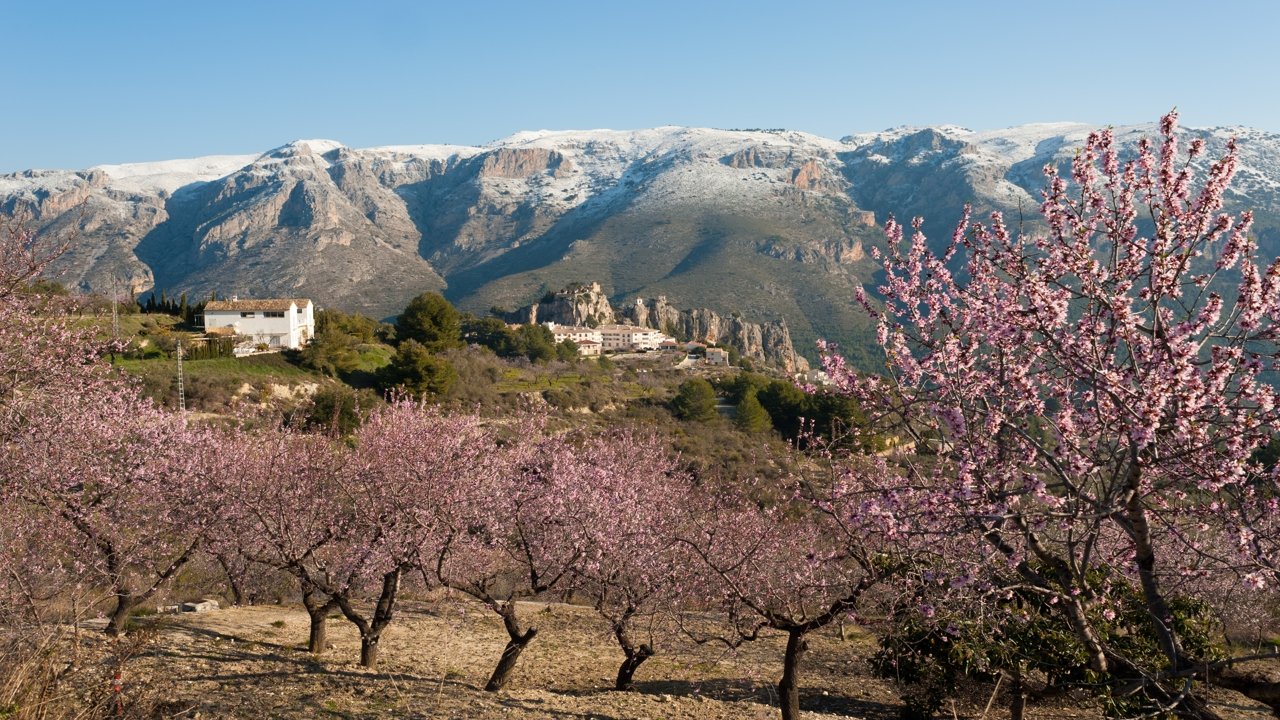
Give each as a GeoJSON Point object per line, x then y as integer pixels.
{"type": "Point", "coordinates": [1094, 387]}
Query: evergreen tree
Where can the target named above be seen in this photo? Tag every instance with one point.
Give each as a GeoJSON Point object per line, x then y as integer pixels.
{"type": "Point", "coordinates": [431, 321]}
{"type": "Point", "coordinates": [696, 400]}
{"type": "Point", "coordinates": [419, 372]}
{"type": "Point", "coordinates": [752, 416]}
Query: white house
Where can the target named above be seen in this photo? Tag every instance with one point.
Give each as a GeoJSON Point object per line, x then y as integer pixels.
{"type": "Point", "coordinates": [576, 333]}
{"type": "Point", "coordinates": [717, 356]}
{"type": "Point", "coordinates": [276, 323]}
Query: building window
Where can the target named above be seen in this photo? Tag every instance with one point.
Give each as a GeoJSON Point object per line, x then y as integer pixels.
{"type": "Point", "coordinates": [273, 313]}
{"type": "Point", "coordinates": [246, 314]}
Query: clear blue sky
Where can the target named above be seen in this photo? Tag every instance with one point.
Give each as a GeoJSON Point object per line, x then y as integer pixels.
{"type": "Point", "coordinates": [100, 82]}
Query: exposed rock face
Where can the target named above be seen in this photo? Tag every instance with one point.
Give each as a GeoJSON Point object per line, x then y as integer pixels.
{"type": "Point", "coordinates": [524, 163]}
{"type": "Point", "coordinates": [808, 176]}
{"type": "Point", "coordinates": [574, 305]}
{"type": "Point", "coordinates": [770, 341]}
{"type": "Point", "coordinates": [581, 304]}
{"type": "Point", "coordinates": [758, 157]}
{"type": "Point", "coordinates": [834, 252]}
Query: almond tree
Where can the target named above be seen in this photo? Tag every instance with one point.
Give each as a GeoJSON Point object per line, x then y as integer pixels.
{"type": "Point", "coordinates": [279, 504]}
{"type": "Point", "coordinates": [1095, 380]}
{"type": "Point", "coordinates": [518, 532]}
{"type": "Point", "coordinates": [99, 476]}
{"type": "Point", "coordinates": [798, 563]}
{"type": "Point", "coordinates": [640, 499]}
{"type": "Point", "coordinates": [411, 458]}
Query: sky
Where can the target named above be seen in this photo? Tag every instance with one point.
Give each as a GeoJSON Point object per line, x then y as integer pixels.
{"type": "Point", "coordinates": [92, 82]}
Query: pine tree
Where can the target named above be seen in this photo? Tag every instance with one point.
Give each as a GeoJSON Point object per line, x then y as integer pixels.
{"type": "Point", "coordinates": [752, 417]}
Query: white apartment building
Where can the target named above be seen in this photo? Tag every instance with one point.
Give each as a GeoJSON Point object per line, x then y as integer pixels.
{"type": "Point", "coordinates": [276, 323]}
{"type": "Point", "coordinates": [631, 337]}
{"type": "Point", "coordinates": [610, 337]}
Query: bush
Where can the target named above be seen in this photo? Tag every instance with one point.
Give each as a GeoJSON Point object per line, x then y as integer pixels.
{"type": "Point", "coordinates": [340, 409]}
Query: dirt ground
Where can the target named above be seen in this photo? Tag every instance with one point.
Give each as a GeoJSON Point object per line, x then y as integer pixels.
{"type": "Point", "coordinates": [251, 662]}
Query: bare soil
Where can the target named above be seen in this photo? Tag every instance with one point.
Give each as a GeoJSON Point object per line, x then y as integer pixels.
{"type": "Point", "coordinates": [251, 662]}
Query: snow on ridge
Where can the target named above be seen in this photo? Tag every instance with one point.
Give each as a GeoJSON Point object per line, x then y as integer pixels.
{"type": "Point", "coordinates": [318, 146]}
{"type": "Point", "coordinates": [426, 152]}
{"type": "Point", "coordinates": [169, 175]}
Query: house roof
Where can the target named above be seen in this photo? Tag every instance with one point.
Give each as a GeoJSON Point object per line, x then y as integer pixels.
{"type": "Point", "coordinates": [262, 304]}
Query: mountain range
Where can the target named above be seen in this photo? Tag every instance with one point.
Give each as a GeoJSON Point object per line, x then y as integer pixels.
{"type": "Point", "coordinates": [772, 225]}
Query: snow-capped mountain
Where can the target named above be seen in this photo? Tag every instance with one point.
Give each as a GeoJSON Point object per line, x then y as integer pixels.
{"type": "Point", "coordinates": [772, 224]}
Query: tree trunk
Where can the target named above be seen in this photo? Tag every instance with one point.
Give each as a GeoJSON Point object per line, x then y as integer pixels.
{"type": "Point", "coordinates": [318, 638]}
{"type": "Point", "coordinates": [635, 654]}
{"type": "Point", "coordinates": [233, 580]}
{"type": "Point", "coordinates": [789, 686]}
{"type": "Point", "coordinates": [383, 612]}
{"type": "Point", "coordinates": [1144, 558]}
{"type": "Point", "coordinates": [369, 652]}
{"type": "Point", "coordinates": [1017, 696]}
{"type": "Point", "coordinates": [515, 645]}
{"type": "Point", "coordinates": [626, 673]}
{"type": "Point", "coordinates": [119, 620]}
{"type": "Point", "coordinates": [319, 608]}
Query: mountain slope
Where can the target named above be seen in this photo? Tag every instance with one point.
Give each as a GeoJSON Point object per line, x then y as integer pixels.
{"type": "Point", "coordinates": [775, 225]}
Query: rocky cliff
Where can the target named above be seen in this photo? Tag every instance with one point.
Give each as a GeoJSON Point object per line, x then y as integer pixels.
{"type": "Point", "coordinates": [767, 341]}
{"type": "Point", "coordinates": [587, 304]}
{"type": "Point", "coordinates": [576, 304]}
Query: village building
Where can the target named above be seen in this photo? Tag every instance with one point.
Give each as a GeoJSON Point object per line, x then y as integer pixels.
{"type": "Point", "coordinates": [717, 356]}
{"type": "Point", "coordinates": [631, 337]}
{"type": "Point", "coordinates": [610, 338]}
{"type": "Point", "coordinates": [589, 348]}
{"type": "Point", "coordinates": [278, 323]}
{"type": "Point", "coordinates": [577, 333]}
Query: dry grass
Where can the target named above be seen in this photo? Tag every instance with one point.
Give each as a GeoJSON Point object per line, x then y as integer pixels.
{"type": "Point", "coordinates": [250, 663]}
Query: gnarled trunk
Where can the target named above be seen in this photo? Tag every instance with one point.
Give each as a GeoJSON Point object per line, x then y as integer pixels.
{"type": "Point", "coordinates": [627, 671]}
{"type": "Point", "coordinates": [383, 612]}
{"type": "Point", "coordinates": [234, 580]}
{"type": "Point", "coordinates": [635, 654]}
{"type": "Point", "coordinates": [319, 608]}
{"type": "Point", "coordinates": [515, 645]}
{"type": "Point", "coordinates": [369, 652]}
{"type": "Point", "coordinates": [789, 685]}
{"type": "Point", "coordinates": [1017, 696]}
{"type": "Point", "coordinates": [118, 622]}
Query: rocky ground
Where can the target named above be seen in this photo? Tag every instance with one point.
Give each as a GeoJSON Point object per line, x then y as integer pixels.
{"type": "Point", "coordinates": [248, 663]}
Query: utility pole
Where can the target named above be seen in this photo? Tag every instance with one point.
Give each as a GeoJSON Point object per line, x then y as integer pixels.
{"type": "Point", "coordinates": [182, 395]}
{"type": "Point", "coordinates": [115, 311]}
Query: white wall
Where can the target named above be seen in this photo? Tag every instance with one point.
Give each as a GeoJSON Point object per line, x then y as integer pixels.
{"type": "Point", "coordinates": [291, 331]}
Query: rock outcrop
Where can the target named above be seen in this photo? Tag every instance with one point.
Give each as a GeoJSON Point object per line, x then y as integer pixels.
{"type": "Point", "coordinates": [576, 304]}
{"type": "Point", "coordinates": [769, 341]}
{"type": "Point", "coordinates": [524, 163]}
{"type": "Point", "coordinates": [587, 304]}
